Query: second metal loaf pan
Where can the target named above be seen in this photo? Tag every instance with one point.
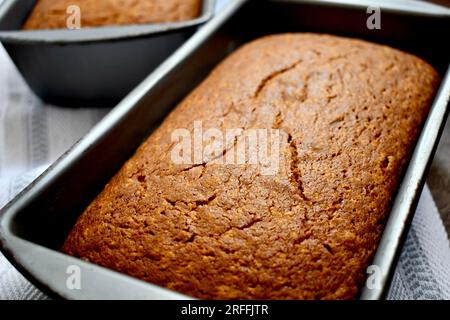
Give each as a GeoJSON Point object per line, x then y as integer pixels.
{"type": "Point", "coordinates": [92, 66]}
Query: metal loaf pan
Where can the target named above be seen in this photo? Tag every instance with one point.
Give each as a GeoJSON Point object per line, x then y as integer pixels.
{"type": "Point", "coordinates": [35, 224]}
{"type": "Point", "coordinates": [91, 66]}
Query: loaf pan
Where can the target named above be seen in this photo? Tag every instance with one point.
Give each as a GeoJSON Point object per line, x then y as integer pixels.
{"type": "Point", "coordinates": [34, 225]}
{"type": "Point", "coordinates": [92, 66]}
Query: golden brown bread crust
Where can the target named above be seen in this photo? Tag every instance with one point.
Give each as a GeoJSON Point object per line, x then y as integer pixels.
{"type": "Point", "coordinates": [51, 14]}
{"type": "Point", "coordinates": [349, 112]}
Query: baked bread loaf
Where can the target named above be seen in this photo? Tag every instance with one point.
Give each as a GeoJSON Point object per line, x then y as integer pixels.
{"type": "Point", "coordinates": [348, 113]}
{"type": "Point", "coordinates": [52, 14]}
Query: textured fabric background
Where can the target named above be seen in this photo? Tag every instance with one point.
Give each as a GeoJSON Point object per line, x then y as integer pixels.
{"type": "Point", "coordinates": [33, 135]}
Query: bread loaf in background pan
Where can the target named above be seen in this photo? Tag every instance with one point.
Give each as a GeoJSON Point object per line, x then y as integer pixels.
{"type": "Point", "coordinates": [52, 14]}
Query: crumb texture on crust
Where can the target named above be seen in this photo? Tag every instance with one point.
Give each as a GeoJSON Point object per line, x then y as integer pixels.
{"type": "Point", "coordinates": [349, 113]}
{"type": "Point", "coordinates": [52, 14]}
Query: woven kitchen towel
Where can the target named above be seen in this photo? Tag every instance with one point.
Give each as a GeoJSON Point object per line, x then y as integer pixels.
{"type": "Point", "coordinates": [33, 135]}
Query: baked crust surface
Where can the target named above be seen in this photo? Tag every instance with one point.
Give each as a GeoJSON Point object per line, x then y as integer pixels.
{"type": "Point", "coordinates": [349, 113]}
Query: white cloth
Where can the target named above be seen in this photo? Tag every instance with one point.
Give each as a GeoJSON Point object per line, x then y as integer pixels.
{"type": "Point", "coordinates": [33, 135]}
